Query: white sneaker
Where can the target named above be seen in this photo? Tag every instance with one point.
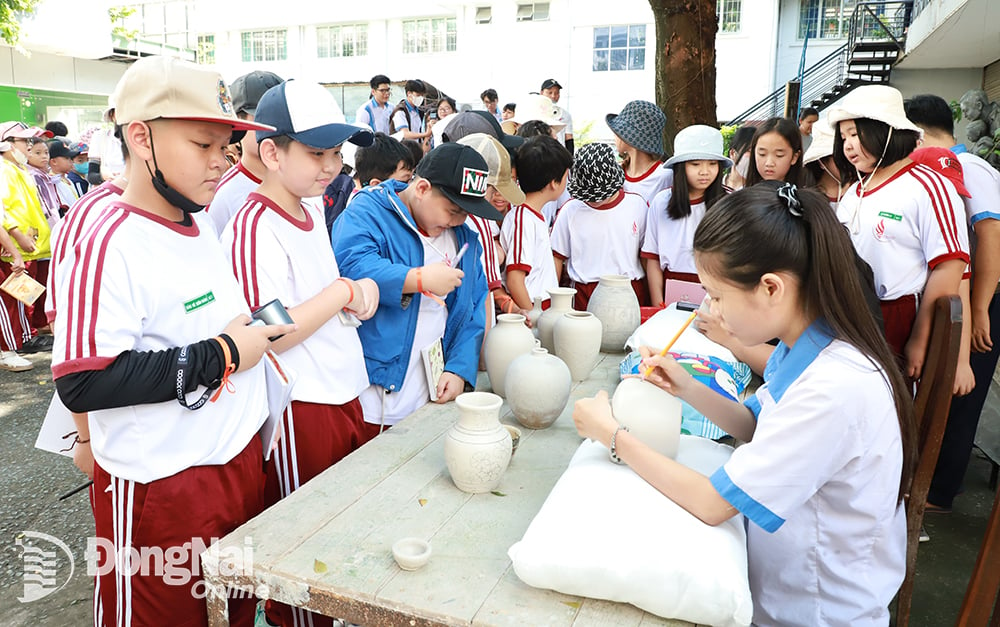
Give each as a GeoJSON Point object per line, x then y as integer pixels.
{"type": "Point", "coordinates": [9, 360]}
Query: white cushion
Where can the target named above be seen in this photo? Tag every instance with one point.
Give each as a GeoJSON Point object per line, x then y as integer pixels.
{"type": "Point", "coordinates": [604, 533]}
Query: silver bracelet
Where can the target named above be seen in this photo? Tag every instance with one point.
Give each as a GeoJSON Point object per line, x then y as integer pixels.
{"type": "Point", "coordinates": [614, 451]}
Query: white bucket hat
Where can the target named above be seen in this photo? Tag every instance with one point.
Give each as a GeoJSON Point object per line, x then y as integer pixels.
{"type": "Point", "coordinates": [875, 102]}
{"type": "Point", "coordinates": [698, 143]}
{"type": "Point", "coordinates": [538, 107]}
{"type": "Point", "coordinates": [822, 143]}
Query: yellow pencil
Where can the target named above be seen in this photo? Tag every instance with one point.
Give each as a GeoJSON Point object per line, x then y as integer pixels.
{"type": "Point", "coordinates": [670, 344]}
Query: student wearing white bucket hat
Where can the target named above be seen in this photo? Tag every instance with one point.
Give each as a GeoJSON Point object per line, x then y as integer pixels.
{"type": "Point", "coordinates": [819, 163]}
{"type": "Point", "coordinates": [674, 214]}
{"type": "Point", "coordinates": [905, 219]}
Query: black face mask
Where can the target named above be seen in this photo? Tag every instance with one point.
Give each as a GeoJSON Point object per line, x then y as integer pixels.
{"type": "Point", "coordinates": [169, 194]}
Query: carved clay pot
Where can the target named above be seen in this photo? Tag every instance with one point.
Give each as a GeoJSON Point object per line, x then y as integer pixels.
{"type": "Point", "coordinates": [505, 342]}
{"type": "Point", "coordinates": [477, 448]}
{"type": "Point", "coordinates": [537, 388]}
{"type": "Point", "coordinates": [534, 315]}
{"type": "Point", "coordinates": [577, 337]}
{"type": "Point", "coordinates": [561, 301]}
{"type": "Point", "coordinates": [616, 306]}
{"type": "Point", "coordinates": [651, 414]}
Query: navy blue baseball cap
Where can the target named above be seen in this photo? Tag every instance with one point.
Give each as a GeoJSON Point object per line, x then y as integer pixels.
{"type": "Point", "coordinates": [308, 113]}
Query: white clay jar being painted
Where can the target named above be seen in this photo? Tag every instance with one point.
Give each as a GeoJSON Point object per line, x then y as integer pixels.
{"type": "Point", "coordinates": [505, 342]}
{"type": "Point", "coordinates": [577, 337]}
{"type": "Point", "coordinates": [477, 448]}
{"type": "Point", "coordinates": [615, 304]}
{"type": "Point", "coordinates": [651, 414]}
{"type": "Point", "coordinates": [537, 388]}
{"type": "Point", "coordinates": [561, 301]}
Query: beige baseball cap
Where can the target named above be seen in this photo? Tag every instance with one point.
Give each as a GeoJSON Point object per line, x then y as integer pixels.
{"type": "Point", "coordinates": [498, 160]}
{"type": "Point", "coordinates": [164, 87]}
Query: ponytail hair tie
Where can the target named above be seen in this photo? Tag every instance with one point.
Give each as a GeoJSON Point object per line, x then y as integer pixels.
{"type": "Point", "coordinates": [789, 193]}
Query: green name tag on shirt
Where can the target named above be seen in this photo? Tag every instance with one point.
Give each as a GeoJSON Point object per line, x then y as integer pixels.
{"type": "Point", "coordinates": [891, 216]}
{"type": "Point", "coordinates": [198, 303]}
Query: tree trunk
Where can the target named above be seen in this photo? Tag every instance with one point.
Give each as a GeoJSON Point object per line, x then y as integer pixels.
{"type": "Point", "coordinates": [685, 63]}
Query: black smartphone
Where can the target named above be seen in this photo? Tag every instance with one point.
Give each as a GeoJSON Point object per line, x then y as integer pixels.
{"type": "Point", "coordinates": [683, 306]}
{"type": "Point", "coordinates": [271, 313]}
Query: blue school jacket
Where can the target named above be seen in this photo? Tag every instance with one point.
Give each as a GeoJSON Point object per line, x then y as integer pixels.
{"type": "Point", "coordinates": [376, 237]}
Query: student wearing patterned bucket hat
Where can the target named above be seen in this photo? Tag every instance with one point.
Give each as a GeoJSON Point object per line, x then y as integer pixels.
{"type": "Point", "coordinates": [600, 216]}
{"type": "Point", "coordinates": [675, 213]}
{"type": "Point", "coordinates": [638, 133]}
{"type": "Point", "coordinates": [902, 218]}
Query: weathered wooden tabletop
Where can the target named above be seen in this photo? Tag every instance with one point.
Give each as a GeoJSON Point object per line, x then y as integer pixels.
{"type": "Point", "coordinates": [327, 546]}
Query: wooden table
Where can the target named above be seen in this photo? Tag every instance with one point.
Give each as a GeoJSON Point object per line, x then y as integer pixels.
{"type": "Point", "coordinates": [327, 546]}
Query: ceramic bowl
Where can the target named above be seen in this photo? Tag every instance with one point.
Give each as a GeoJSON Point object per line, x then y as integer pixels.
{"type": "Point", "coordinates": [515, 437]}
{"type": "Point", "coordinates": [411, 553]}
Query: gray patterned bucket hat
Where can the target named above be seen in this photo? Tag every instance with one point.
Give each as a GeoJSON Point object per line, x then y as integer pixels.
{"type": "Point", "coordinates": [640, 125]}
{"type": "Point", "coordinates": [596, 174]}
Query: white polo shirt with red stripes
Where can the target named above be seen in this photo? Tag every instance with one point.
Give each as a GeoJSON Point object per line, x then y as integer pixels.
{"type": "Point", "coordinates": [524, 234]}
{"type": "Point", "coordinates": [230, 194]}
{"type": "Point", "coordinates": [601, 241]}
{"type": "Point", "coordinates": [274, 255]}
{"type": "Point", "coordinates": [905, 227]}
{"type": "Point", "coordinates": [143, 283]}
{"type": "Point", "coordinates": [651, 182]}
{"type": "Point", "coordinates": [670, 241]}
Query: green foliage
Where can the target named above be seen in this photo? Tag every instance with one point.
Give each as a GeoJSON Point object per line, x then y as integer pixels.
{"type": "Point", "coordinates": [118, 16]}
{"type": "Point", "coordinates": [581, 134]}
{"type": "Point", "coordinates": [956, 110]}
{"type": "Point", "coordinates": [11, 12]}
{"type": "Point", "coordinates": [727, 136]}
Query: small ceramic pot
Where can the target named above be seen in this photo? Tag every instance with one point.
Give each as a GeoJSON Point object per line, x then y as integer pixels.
{"type": "Point", "coordinates": [411, 553]}
{"type": "Point", "coordinates": [616, 305]}
{"type": "Point", "coordinates": [538, 387]}
{"type": "Point", "coordinates": [477, 448]}
{"type": "Point", "coordinates": [505, 342]}
{"type": "Point", "coordinates": [561, 301]}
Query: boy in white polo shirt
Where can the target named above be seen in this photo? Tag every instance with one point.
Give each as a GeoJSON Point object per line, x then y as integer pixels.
{"type": "Point", "coordinates": [153, 285]}
{"type": "Point", "coordinates": [542, 168]}
{"type": "Point", "coordinates": [280, 248]}
{"type": "Point", "coordinates": [237, 183]}
{"type": "Point", "coordinates": [601, 229]}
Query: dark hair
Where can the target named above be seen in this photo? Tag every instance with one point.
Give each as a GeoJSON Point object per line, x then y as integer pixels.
{"type": "Point", "coordinates": [806, 112]}
{"type": "Point", "coordinates": [541, 160]}
{"type": "Point", "coordinates": [930, 111]}
{"type": "Point", "coordinates": [380, 160]}
{"type": "Point", "coordinates": [876, 141]}
{"type": "Point", "coordinates": [58, 128]}
{"type": "Point", "coordinates": [379, 79]}
{"type": "Point", "coordinates": [490, 94]}
{"type": "Point", "coordinates": [282, 141]}
{"type": "Point", "coordinates": [416, 152]}
{"type": "Point", "coordinates": [813, 172]}
{"type": "Point", "coordinates": [679, 205]}
{"type": "Point", "coordinates": [510, 106]}
{"type": "Point", "coordinates": [741, 140]}
{"type": "Point", "coordinates": [415, 86]}
{"type": "Point", "coordinates": [790, 132]}
{"type": "Point", "coordinates": [534, 128]}
{"type": "Point", "coordinates": [753, 231]}
{"type": "Point", "coordinates": [450, 101]}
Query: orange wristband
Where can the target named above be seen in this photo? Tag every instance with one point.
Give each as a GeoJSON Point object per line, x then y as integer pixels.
{"type": "Point", "coordinates": [349, 288]}
{"type": "Point", "coordinates": [230, 368]}
{"type": "Point", "coordinates": [420, 280]}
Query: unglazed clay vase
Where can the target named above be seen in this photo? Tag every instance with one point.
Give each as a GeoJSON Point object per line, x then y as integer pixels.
{"type": "Point", "coordinates": [651, 414]}
{"type": "Point", "coordinates": [577, 336]}
{"type": "Point", "coordinates": [505, 342]}
{"type": "Point", "coordinates": [537, 388]}
{"type": "Point", "coordinates": [561, 301]}
{"type": "Point", "coordinates": [534, 315]}
{"type": "Point", "coordinates": [616, 306]}
{"type": "Point", "coordinates": [477, 448]}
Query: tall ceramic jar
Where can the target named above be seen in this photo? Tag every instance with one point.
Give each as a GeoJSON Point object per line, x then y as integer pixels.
{"type": "Point", "coordinates": [577, 336]}
{"type": "Point", "coordinates": [616, 306]}
{"type": "Point", "coordinates": [534, 315]}
{"type": "Point", "coordinates": [477, 448]}
{"type": "Point", "coordinates": [651, 414]}
{"type": "Point", "coordinates": [537, 388]}
{"type": "Point", "coordinates": [561, 301]}
{"type": "Point", "coordinates": [505, 342]}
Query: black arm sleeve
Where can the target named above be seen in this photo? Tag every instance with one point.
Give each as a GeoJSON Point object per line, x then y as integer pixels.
{"type": "Point", "coordinates": [94, 173]}
{"type": "Point", "coordinates": [569, 145]}
{"type": "Point", "coordinates": [137, 377]}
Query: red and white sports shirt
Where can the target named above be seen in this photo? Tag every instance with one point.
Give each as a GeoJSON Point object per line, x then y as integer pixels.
{"type": "Point", "coordinates": [230, 194]}
{"type": "Point", "coordinates": [671, 241]}
{"type": "Point", "coordinates": [524, 234]}
{"type": "Point", "coordinates": [601, 241]}
{"type": "Point", "coordinates": [651, 182]}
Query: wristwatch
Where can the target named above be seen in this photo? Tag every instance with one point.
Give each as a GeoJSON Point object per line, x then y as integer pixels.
{"type": "Point", "coordinates": [614, 452]}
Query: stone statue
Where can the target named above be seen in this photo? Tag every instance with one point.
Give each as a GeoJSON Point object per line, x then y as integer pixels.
{"type": "Point", "coordinates": [983, 127]}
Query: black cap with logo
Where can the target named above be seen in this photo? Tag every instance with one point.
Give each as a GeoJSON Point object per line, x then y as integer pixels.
{"type": "Point", "coordinates": [549, 83]}
{"type": "Point", "coordinates": [247, 89]}
{"type": "Point", "coordinates": [461, 174]}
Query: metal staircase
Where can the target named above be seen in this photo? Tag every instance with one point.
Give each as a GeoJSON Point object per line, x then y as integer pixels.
{"type": "Point", "coordinates": [876, 39]}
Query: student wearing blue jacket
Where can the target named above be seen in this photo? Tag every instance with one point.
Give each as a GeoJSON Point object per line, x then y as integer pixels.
{"type": "Point", "coordinates": [408, 238]}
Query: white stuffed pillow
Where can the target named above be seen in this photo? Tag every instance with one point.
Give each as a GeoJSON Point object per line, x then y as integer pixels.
{"type": "Point", "coordinates": [604, 533]}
